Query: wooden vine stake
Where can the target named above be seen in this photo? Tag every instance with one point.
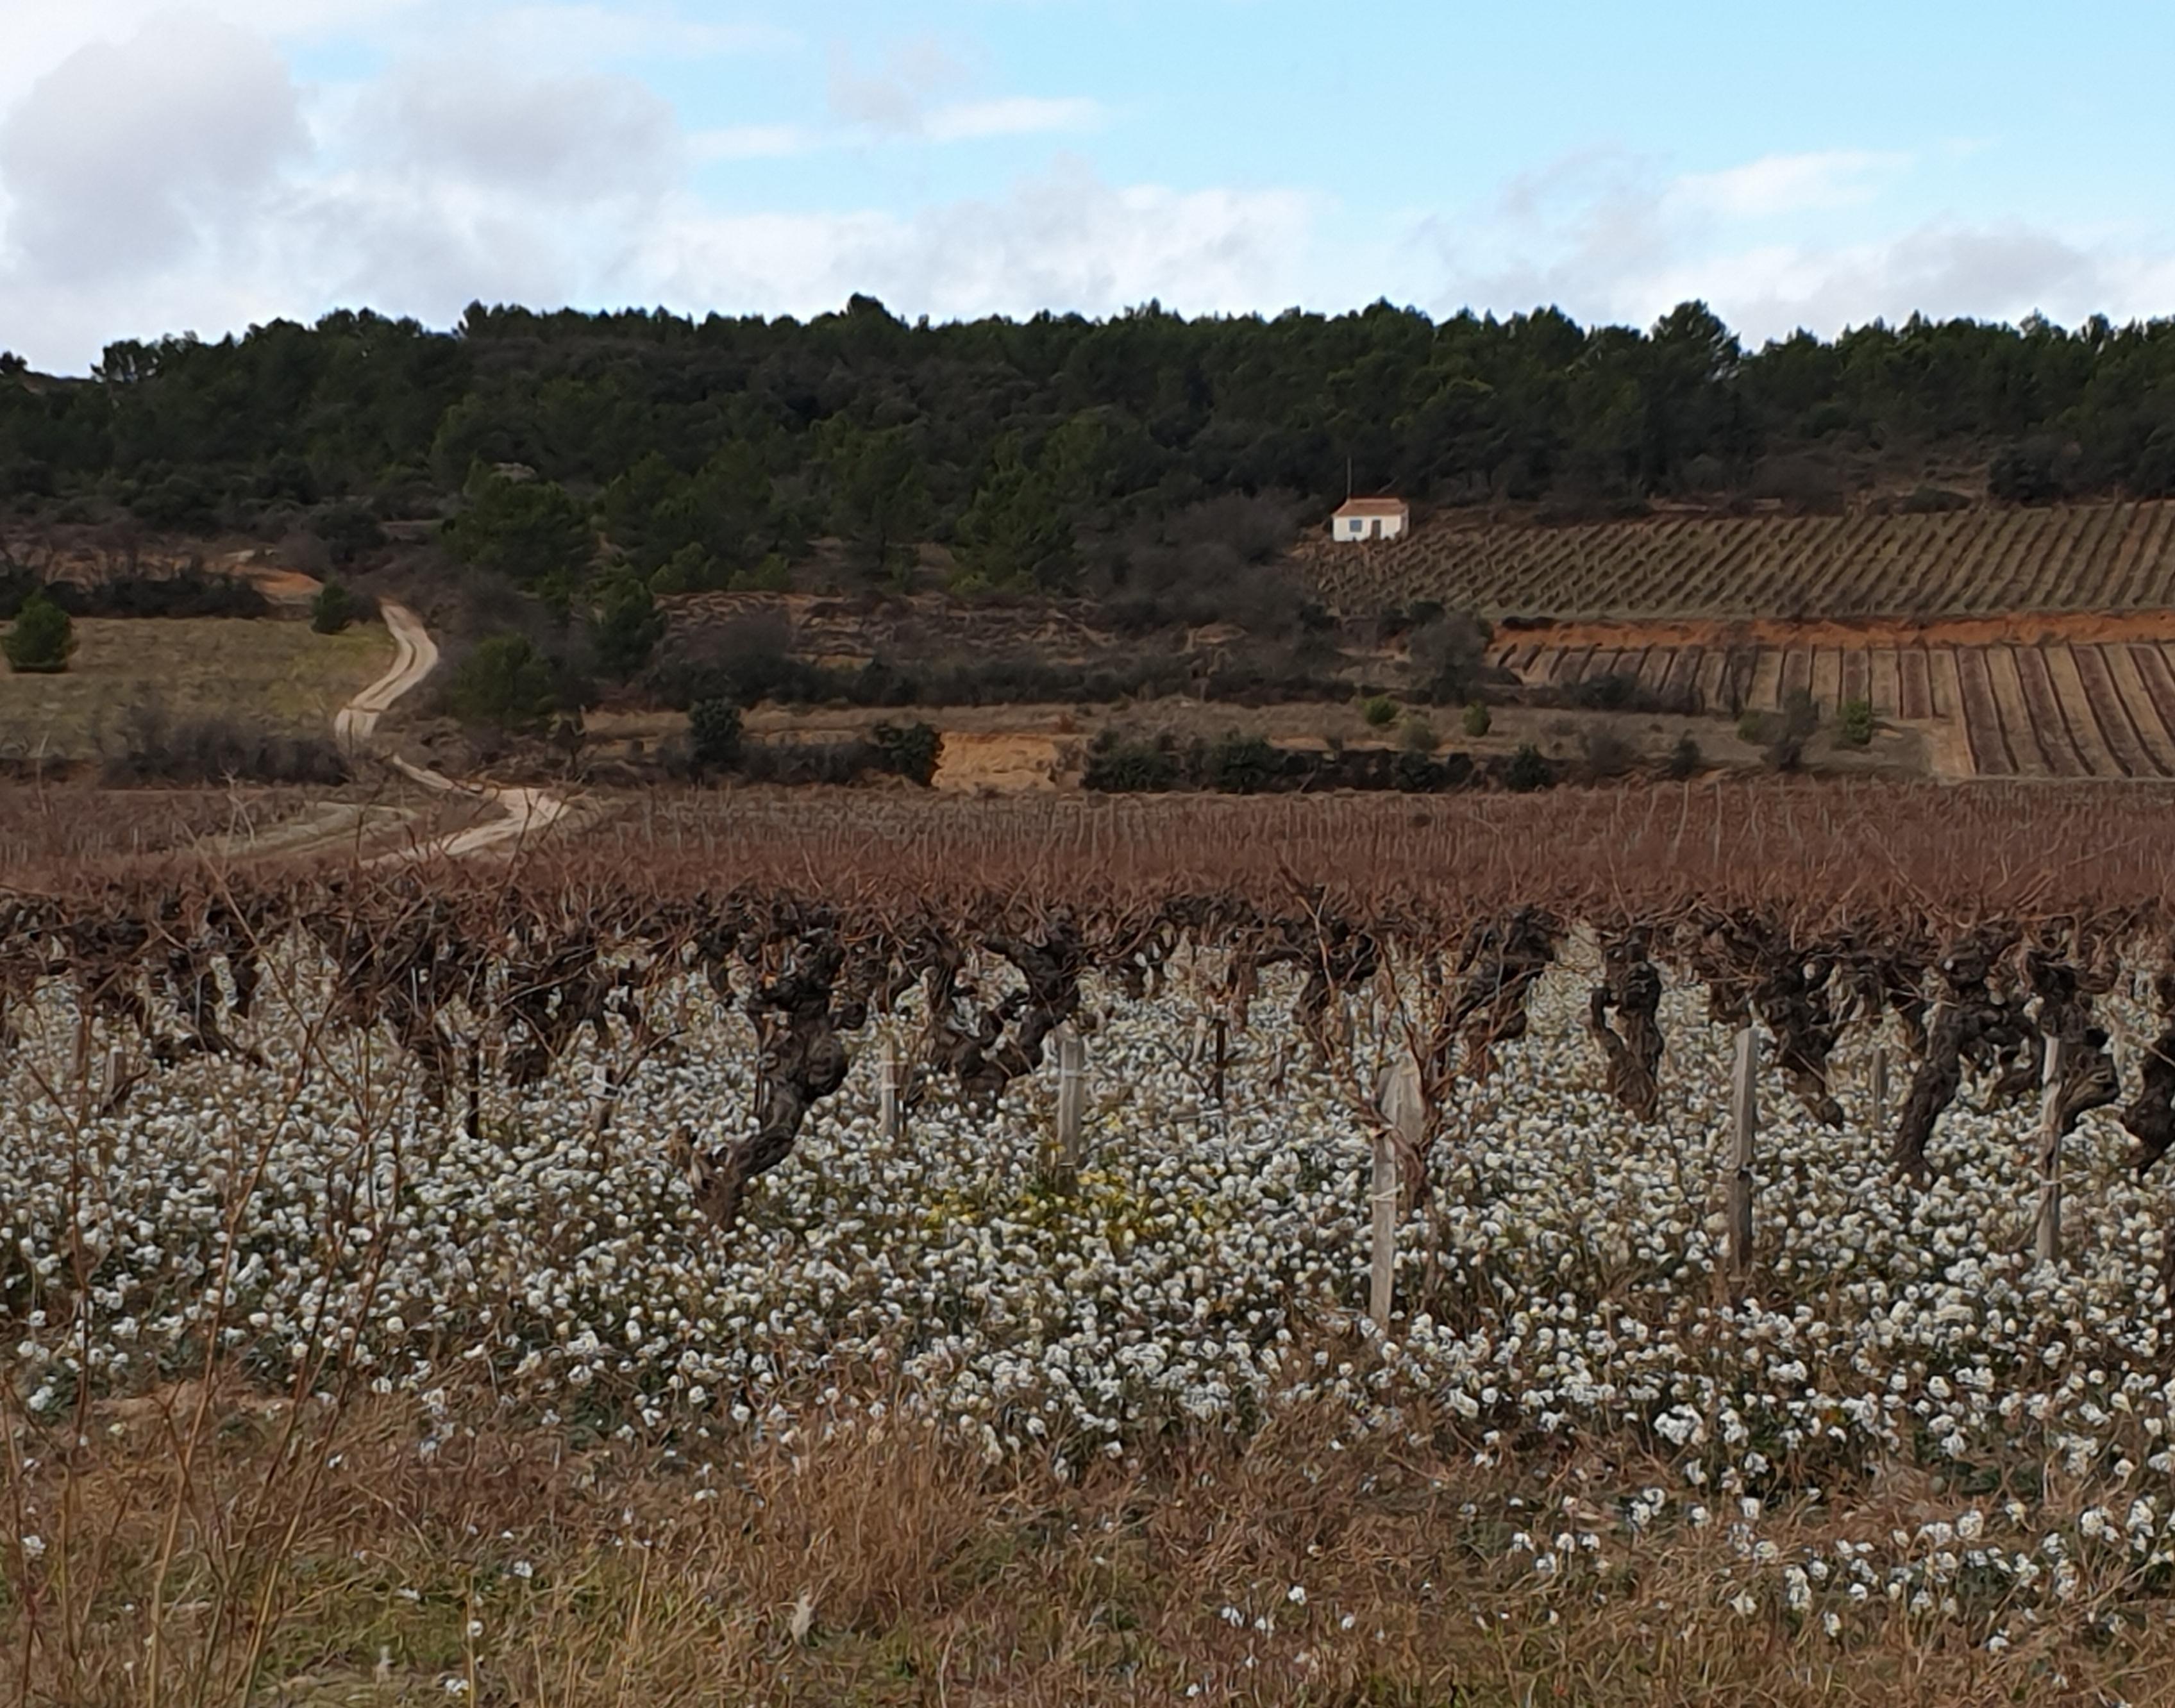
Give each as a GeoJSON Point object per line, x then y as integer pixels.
{"type": "Point", "coordinates": [1071, 1100]}
{"type": "Point", "coordinates": [1743, 1127]}
{"type": "Point", "coordinates": [2046, 1231]}
{"type": "Point", "coordinates": [887, 1091]}
{"type": "Point", "coordinates": [1879, 1087]}
{"type": "Point", "coordinates": [1403, 1108]}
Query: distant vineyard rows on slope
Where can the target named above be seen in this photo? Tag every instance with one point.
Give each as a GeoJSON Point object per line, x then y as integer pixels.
{"type": "Point", "coordinates": [2057, 709]}
{"type": "Point", "coordinates": [2103, 557]}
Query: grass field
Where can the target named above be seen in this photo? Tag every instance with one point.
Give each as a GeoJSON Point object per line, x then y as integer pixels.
{"type": "Point", "coordinates": [269, 673]}
{"type": "Point", "coordinates": [2105, 557]}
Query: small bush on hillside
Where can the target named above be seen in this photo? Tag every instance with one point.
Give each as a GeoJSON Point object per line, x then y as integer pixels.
{"type": "Point", "coordinates": [1241, 764]}
{"type": "Point", "coordinates": [1419, 734]}
{"type": "Point", "coordinates": [2038, 470]}
{"type": "Point", "coordinates": [797, 764]}
{"type": "Point", "coordinates": [41, 639]}
{"type": "Point", "coordinates": [1612, 693]}
{"type": "Point", "coordinates": [910, 750]}
{"type": "Point", "coordinates": [1530, 770]}
{"type": "Point", "coordinates": [1416, 773]}
{"type": "Point", "coordinates": [185, 592]}
{"type": "Point", "coordinates": [1855, 722]}
{"type": "Point", "coordinates": [180, 503]}
{"type": "Point", "coordinates": [218, 749]}
{"type": "Point", "coordinates": [1380, 711]}
{"type": "Point", "coordinates": [348, 530]}
{"type": "Point", "coordinates": [1452, 650]}
{"type": "Point", "coordinates": [713, 734]}
{"type": "Point", "coordinates": [1788, 734]}
{"type": "Point", "coordinates": [1684, 760]}
{"type": "Point", "coordinates": [1116, 766]}
{"type": "Point", "coordinates": [1477, 720]}
{"type": "Point", "coordinates": [773, 574]}
{"type": "Point", "coordinates": [628, 628]}
{"type": "Point", "coordinates": [507, 684]}
{"type": "Point", "coordinates": [1608, 754]}
{"type": "Point", "coordinates": [333, 608]}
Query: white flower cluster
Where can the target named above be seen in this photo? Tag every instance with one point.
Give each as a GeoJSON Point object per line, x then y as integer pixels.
{"type": "Point", "coordinates": [1210, 1266]}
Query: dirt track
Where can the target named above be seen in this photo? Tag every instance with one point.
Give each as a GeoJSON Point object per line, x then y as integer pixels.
{"type": "Point", "coordinates": [511, 814]}
{"type": "Point", "coordinates": [415, 656]}
{"type": "Point", "coordinates": [518, 813]}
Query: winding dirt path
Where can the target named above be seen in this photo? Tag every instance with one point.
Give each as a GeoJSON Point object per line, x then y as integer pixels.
{"type": "Point", "coordinates": [520, 812]}
{"type": "Point", "coordinates": [416, 655]}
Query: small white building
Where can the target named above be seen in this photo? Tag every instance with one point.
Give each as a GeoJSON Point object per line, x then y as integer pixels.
{"type": "Point", "coordinates": [1370, 518]}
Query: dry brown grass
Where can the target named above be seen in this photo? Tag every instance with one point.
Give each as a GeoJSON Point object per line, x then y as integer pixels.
{"type": "Point", "coordinates": [72, 824]}
{"type": "Point", "coordinates": [279, 674]}
{"type": "Point", "coordinates": [919, 1576]}
{"type": "Point", "coordinates": [528, 1570]}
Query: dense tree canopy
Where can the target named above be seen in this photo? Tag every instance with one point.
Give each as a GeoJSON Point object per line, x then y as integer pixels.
{"type": "Point", "coordinates": [708, 451]}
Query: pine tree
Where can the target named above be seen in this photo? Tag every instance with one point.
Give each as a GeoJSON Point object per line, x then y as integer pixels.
{"type": "Point", "coordinates": [41, 639]}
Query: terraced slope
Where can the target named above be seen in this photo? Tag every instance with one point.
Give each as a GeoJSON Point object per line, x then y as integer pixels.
{"type": "Point", "coordinates": [2075, 708]}
{"type": "Point", "coordinates": [2105, 557]}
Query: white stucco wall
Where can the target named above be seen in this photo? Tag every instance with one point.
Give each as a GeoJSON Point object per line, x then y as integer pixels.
{"type": "Point", "coordinates": [1366, 527]}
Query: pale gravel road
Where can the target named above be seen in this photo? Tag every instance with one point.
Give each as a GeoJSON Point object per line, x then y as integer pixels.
{"type": "Point", "coordinates": [416, 655]}
{"type": "Point", "coordinates": [521, 812]}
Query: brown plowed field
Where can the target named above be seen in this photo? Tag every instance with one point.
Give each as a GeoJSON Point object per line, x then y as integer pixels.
{"type": "Point", "coordinates": [2087, 557]}
{"type": "Point", "coordinates": [2063, 699]}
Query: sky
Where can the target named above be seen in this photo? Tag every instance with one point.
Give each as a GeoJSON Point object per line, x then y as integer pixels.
{"type": "Point", "coordinates": [205, 167]}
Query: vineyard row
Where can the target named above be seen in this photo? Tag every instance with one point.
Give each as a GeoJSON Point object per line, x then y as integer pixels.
{"type": "Point", "coordinates": [2057, 709]}
{"type": "Point", "coordinates": [2111, 557]}
{"type": "Point", "coordinates": [1799, 851]}
{"type": "Point", "coordinates": [517, 974]}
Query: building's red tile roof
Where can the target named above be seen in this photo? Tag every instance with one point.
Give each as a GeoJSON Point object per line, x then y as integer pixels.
{"type": "Point", "coordinates": [1373, 506]}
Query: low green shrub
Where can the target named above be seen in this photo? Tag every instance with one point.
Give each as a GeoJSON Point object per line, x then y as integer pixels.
{"type": "Point", "coordinates": [1530, 770]}
{"type": "Point", "coordinates": [41, 639]}
{"type": "Point", "coordinates": [713, 734]}
{"type": "Point", "coordinates": [1854, 723]}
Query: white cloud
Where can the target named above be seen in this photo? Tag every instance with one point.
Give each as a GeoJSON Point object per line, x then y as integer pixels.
{"type": "Point", "coordinates": [1789, 183]}
{"type": "Point", "coordinates": [585, 32]}
{"type": "Point", "coordinates": [1017, 116]}
{"type": "Point", "coordinates": [893, 98]}
{"type": "Point", "coordinates": [1608, 235]}
{"type": "Point", "coordinates": [137, 203]}
{"type": "Point", "coordinates": [577, 139]}
{"type": "Point", "coordinates": [1566, 233]}
{"type": "Point", "coordinates": [36, 35]}
{"type": "Point", "coordinates": [161, 170]}
{"type": "Point", "coordinates": [754, 143]}
{"type": "Point", "coordinates": [2001, 271]}
{"type": "Point", "coordinates": [899, 98]}
{"type": "Point", "coordinates": [181, 180]}
{"type": "Point", "coordinates": [1063, 241]}
{"type": "Point", "coordinates": [125, 156]}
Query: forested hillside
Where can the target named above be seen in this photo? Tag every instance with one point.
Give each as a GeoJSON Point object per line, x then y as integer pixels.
{"type": "Point", "coordinates": [1053, 453]}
